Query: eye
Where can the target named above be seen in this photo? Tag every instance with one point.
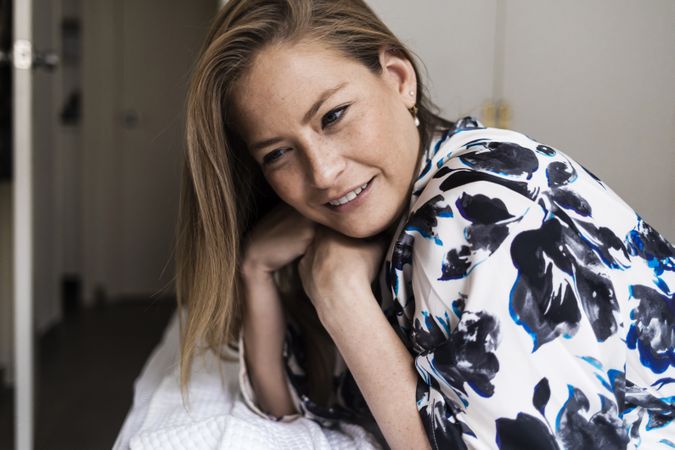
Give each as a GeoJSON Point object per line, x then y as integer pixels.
{"type": "Point", "coordinates": [333, 116]}
{"type": "Point", "coordinates": [274, 155]}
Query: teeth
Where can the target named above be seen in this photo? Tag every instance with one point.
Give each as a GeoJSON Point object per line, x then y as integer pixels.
{"type": "Point", "coordinates": [348, 197]}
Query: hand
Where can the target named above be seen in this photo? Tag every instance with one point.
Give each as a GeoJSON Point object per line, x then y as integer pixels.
{"type": "Point", "coordinates": [279, 238]}
{"type": "Point", "coordinates": [336, 268]}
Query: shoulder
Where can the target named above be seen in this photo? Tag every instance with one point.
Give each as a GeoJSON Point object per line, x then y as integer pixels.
{"type": "Point", "coordinates": [476, 176]}
{"type": "Point", "coordinates": [512, 171]}
{"type": "Point", "coordinates": [484, 186]}
{"type": "Point", "coordinates": [497, 156]}
{"type": "Point", "coordinates": [458, 224]}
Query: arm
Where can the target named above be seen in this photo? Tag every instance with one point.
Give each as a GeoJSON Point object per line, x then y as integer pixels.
{"type": "Point", "coordinates": [278, 239]}
{"type": "Point", "coordinates": [264, 328]}
{"type": "Point", "coordinates": [380, 364]}
{"type": "Point", "coordinates": [336, 273]}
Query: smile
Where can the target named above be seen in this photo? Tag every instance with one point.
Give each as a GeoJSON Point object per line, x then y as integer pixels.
{"type": "Point", "coordinates": [349, 196]}
{"type": "Point", "coordinates": [350, 199]}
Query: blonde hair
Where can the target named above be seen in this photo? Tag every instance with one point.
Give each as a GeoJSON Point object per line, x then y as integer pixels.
{"type": "Point", "coordinates": [223, 193]}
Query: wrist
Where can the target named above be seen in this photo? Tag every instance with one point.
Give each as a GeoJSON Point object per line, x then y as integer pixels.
{"type": "Point", "coordinates": [344, 287]}
{"type": "Point", "coordinates": [350, 303]}
{"type": "Point", "coordinates": [253, 271]}
{"type": "Point", "coordinates": [258, 285]}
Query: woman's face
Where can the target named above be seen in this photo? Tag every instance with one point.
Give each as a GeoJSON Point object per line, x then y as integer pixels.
{"type": "Point", "coordinates": [335, 141]}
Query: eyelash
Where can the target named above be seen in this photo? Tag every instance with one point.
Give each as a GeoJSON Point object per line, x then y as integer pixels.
{"type": "Point", "coordinates": [340, 110]}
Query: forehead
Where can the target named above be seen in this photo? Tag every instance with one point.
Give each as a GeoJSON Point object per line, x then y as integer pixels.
{"type": "Point", "coordinates": [285, 79]}
{"type": "Point", "coordinates": [282, 69]}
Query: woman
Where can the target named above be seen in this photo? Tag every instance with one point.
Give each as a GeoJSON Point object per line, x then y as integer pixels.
{"type": "Point", "coordinates": [482, 289]}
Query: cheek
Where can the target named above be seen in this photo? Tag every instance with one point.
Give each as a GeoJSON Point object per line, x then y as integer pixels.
{"type": "Point", "coordinates": [383, 143]}
{"type": "Point", "coordinates": [368, 136]}
{"type": "Point", "coordinates": [288, 184]}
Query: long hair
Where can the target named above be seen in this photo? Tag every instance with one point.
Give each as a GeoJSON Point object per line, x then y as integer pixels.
{"type": "Point", "coordinates": [223, 193]}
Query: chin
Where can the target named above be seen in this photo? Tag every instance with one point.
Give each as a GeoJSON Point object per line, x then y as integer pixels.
{"type": "Point", "coordinates": [364, 230]}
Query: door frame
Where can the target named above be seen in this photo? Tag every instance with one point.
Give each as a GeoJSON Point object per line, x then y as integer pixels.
{"type": "Point", "coordinates": [23, 224]}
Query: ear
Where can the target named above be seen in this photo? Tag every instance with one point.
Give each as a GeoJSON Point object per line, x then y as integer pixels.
{"type": "Point", "coordinates": [399, 74]}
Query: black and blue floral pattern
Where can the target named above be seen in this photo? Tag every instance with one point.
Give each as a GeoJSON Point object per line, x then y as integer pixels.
{"type": "Point", "coordinates": [538, 305]}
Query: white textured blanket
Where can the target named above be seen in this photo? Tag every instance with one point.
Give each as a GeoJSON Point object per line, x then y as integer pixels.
{"type": "Point", "coordinates": [217, 417]}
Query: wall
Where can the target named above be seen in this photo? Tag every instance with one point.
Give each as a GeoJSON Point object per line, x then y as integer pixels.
{"type": "Point", "coordinates": [593, 79]}
{"type": "Point", "coordinates": [596, 80]}
{"type": "Point", "coordinates": [455, 42]}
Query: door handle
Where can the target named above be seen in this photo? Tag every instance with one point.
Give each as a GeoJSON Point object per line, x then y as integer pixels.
{"type": "Point", "coordinates": [24, 57]}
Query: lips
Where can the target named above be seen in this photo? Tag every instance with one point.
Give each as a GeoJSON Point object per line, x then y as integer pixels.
{"type": "Point", "coordinates": [349, 196]}
{"type": "Point", "coordinates": [351, 199]}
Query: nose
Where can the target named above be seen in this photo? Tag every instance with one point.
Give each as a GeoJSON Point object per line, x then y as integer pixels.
{"type": "Point", "coordinates": [324, 165]}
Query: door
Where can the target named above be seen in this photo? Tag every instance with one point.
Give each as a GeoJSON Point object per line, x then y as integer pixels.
{"type": "Point", "coordinates": [23, 223]}
{"type": "Point", "coordinates": [137, 59]}
{"type": "Point", "coordinates": [154, 73]}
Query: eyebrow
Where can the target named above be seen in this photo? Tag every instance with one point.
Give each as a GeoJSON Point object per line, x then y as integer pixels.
{"type": "Point", "coordinates": [307, 117]}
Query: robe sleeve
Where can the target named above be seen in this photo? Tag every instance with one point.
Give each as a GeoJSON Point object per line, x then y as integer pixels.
{"type": "Point", "coordinates": [460, 266]}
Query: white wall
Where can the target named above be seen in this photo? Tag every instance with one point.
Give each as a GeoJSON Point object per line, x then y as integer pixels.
{"type": "Point", "coordinates": [455, 40]}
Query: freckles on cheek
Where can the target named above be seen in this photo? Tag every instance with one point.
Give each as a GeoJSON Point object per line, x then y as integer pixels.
{"type": "Point", "coordinates": [364, 132]}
